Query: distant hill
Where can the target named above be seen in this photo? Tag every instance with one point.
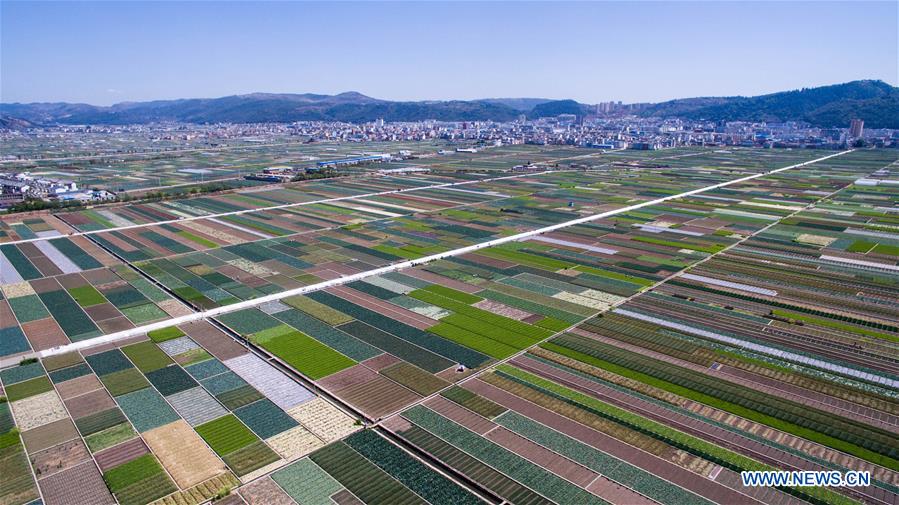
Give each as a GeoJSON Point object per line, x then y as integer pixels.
{"type": "Point", "coordinates": [15, 123]}
{"type": "Point", "coordinates": [874, 101]}
{"type": "Point", "coordinates": [557, 107]}
{"type": "Point", "coordinates": [261, 107]}
{"type": "Point", "coordinates": [828, 106]}
{"type": "Point", "coordinates": [520, 104]}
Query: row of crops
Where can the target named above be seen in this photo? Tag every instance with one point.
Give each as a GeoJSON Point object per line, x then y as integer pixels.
{"type": "Point", "coordinates": [588, 422]}
{"type": "Point", "coordinates": [364, 466]}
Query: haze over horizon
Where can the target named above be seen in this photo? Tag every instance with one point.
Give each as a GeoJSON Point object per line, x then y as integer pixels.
{"type": "Point", "coordinates": [93, 52]}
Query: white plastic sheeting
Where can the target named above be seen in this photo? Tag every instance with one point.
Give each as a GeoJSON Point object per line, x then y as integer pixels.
{"type": "Point", "coordinates": [277, 387]}
{"type": "Point", "coordinates": [729, 284]}
{"type": "Point", "coordinates": [771, 351]}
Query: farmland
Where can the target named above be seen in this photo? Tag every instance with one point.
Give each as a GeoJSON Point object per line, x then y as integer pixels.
{"type": "Point", "coordinates": [130, 163]}
{"type": "Point", "coordinates": [136, 425]}
{"type": "Point", "coordinates": [639, 331]}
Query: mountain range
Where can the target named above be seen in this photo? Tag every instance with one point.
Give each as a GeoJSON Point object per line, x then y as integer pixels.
{"type": "Point", "coordinates": [876, 102]}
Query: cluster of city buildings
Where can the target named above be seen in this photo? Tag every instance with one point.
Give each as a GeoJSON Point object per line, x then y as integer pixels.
{"type": "Point", "coordinates": [655, 133]}
{"type": "Point", "coordinates": [612, 127]}
{"type": "Point", "coordinates": [606, 131]}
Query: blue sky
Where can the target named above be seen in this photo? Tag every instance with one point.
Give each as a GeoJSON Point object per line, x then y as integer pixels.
{"type": "Point", "coordinates": [107, 52]}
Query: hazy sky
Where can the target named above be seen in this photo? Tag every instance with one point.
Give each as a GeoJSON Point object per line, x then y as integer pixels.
{"type": "Point", "coordinates": [107, 52]}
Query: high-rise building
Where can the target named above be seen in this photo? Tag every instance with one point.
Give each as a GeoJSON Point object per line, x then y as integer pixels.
{"type": "Point", "coordinates": [856, 128]}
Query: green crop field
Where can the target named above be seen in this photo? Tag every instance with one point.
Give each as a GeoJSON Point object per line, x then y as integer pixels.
{"type": "Point", "coordinates": [226, 435]}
